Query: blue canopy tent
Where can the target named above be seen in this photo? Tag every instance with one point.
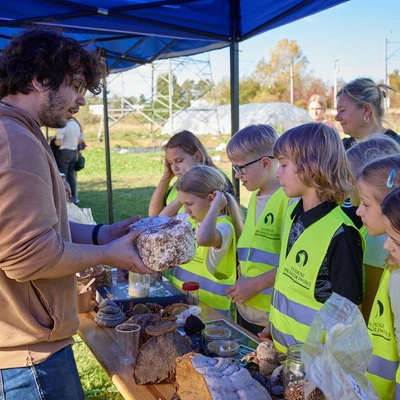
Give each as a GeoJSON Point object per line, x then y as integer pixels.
{"type": "Point", "coordinates": [135, 32]}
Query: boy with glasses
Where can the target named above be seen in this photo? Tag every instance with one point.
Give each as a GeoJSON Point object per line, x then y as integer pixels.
{"type": "Point", "coordinates": [250, 151]}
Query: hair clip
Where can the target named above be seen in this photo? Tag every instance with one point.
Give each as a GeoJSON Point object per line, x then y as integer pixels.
{"type": "Point", "coordinates": [390, 179]}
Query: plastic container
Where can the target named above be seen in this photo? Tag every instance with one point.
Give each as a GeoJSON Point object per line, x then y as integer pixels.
{"type": "Point", "coordinates": [83, 300]}
{"type": "Point", "coordinates": [191, 290]}
{"type": "Point", "coordinates": [295, 383]}
{"type": "Point", "coordinates": [224, 348]}
{"type": "Point", "coordinates": [216, 333]}
{"type": "Point", "coordinates": [139, 285]}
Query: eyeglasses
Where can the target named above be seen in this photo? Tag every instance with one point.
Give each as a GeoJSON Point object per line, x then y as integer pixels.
{"type": "Point", "coordinates": [239, 169]}
{"type": "Point", "coordinates": [80, 86]}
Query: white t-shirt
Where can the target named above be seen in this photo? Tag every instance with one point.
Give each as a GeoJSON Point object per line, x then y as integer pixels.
{"type": "Point", "coordinates": [70, 135]}
{"type": "Point", "coordinates": [375, 254]}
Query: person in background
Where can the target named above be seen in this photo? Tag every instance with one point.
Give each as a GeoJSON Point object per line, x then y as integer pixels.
{"type": "Point", "coordinates": [322, 250]}
{"type": "Point", "coordinates": [182, 152]}
{"type": "Point", "coordinates": [378, 189]}
{"type": "Point", "coordinates": [317, 108]}
{"type": "Point", "coordinates": [203, 193]}
{"type": "Point", "coordinates": [375, 255]}
{"type": "Point", "coordinates": [43, 80]}
{"type": "Point", "coordinates": [360, 110]}
{"type": "Point", "coordinates": [250, 151]}
{"type": "Point", "coordinates": [67, 140]}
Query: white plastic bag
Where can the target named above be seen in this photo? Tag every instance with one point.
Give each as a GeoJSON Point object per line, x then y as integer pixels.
{"type": "Point", "coordinates": [80, 215]}
{"type": "Point", "coordinates": [338, 350]}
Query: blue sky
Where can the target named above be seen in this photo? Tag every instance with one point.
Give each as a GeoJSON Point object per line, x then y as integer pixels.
{"type": "Point", "coordinates": [352, 33]}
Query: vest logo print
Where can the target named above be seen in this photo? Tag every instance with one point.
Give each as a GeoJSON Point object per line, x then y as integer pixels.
{"type": "Point", "coordinates": [381, 308]}
{"type": "Point", "coordinates": [301, 258]}
{"type": "Point", "coordinates": [269, 230]}
{"type": "Point", "coordinates": [379, 328]}
{"type": "Point", "coordinates": [295, 272]}
{"type": "Point", "coordinates": [269, 219]}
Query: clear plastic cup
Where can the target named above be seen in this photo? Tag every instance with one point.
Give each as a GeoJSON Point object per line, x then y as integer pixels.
{"type": "Point", "coordinates": [128, 342]}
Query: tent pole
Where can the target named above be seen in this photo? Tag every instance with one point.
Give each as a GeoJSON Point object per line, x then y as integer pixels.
{"type": "Point", "coordinates": [234, 75]}
{"type": "Point", "coordinates": [107, 148]}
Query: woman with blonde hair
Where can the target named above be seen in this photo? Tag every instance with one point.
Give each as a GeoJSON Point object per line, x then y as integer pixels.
{"type": "Point", "coordinates": [360, 110]}
{"type": "Point", "coordinates": [317, 108]}
{"type": "Point", "coordinates": [203, 193]}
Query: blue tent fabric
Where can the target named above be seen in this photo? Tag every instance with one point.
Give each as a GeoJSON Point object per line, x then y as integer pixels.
{"type": "Point", "coordinates": [135, 32]}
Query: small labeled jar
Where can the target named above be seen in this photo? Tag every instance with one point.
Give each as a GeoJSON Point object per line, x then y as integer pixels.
{"type": "Point", "coordinates": [294, 377]}
{"type": "Point", "coordinates": [191, 290]}
{"type": "Point", "coordinates": [139, 285]}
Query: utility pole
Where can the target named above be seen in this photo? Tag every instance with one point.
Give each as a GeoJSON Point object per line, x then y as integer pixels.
{"type": "Point", "coordinates": [291, 83]}
{"type": "Point", "coordinates": [335, 73]}
{"type": "Point", "coordinates": [387, 99]}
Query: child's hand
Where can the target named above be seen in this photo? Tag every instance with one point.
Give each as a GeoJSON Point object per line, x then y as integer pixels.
{"type": "Point", "coordinates": [239, 271]}
{"type": "Point", "coordinates": [242, 291]}
{"type": "Point", "coordinates": [219, 200]}
{"type": "Point", "coordinates": [265, 335]}
{"type": "Point", "coordinates": [168, 173]}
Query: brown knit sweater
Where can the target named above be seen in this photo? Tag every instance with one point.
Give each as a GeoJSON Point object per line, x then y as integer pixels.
{"type": "Point", "coordinates": [38, 315]}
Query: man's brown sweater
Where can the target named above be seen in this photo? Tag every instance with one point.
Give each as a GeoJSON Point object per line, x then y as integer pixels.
{"type": "Point", "coordinates": [38, 315]}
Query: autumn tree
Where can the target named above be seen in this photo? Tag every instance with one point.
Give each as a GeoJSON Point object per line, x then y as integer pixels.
{"type": "Point", "coordinates": [394, 79]}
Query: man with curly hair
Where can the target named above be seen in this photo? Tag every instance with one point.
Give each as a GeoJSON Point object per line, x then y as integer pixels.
{"type": "Point", "coordinates": [43, 80]}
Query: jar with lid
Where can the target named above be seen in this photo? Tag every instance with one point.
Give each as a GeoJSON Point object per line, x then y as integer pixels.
{"type": "Point", "coordinates": [295, 383]}
{"type": "Point", "coordinates": [191, 290]}
{"type": "Point", "coordinates": [139, 285]}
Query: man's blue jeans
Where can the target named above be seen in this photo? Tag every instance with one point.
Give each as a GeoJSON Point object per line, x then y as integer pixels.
{"type": "Point", "coordinates": [54, 379]}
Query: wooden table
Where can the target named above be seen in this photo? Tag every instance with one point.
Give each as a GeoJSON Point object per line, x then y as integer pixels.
{"type": "Point", "coordinates": [102, 343]}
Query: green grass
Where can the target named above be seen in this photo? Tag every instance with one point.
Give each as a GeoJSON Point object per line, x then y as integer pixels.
{"type": "Point", "coordinates": [96, 383]}
{"type": "Point", "coordinates": [134, 178]}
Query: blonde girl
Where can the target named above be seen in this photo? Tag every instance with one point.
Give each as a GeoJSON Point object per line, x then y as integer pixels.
{"type": "Point", "coordinates": [381, 214]}
{"type": "Point", "coordinates": [317, 108]}
{"type": "Point", "coordinates": [321, 249]}
{"type": "Point", "coordinates": [203, 193]}
{"type": "Point", "coordinates": [182, 152]}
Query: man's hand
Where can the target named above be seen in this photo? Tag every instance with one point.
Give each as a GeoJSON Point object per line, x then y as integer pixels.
{"type": "Point", "coordinates": [108, 233]}
{"type": "Point", "coordinates": [265, 335]}
{"type": "Point", "coordinates": [122, 254]}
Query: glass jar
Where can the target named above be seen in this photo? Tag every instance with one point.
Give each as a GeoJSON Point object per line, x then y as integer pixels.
{"type": "Point", "coordinates": [139, 285]}
{"type": "Point", "coordinates": [191, 290]}
{"type": "Point", "coordinates": [294, 381]}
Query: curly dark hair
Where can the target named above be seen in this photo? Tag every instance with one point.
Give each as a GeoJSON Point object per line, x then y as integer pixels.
{"type": "Point", "coordinates": [49, 57]}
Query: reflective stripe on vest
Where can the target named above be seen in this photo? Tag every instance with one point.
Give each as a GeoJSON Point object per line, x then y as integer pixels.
{"type": "Point", "coordinates": [304, 315]}
{"type": "Point", "coordinates": [212, 289]}
{"type": "Point", "coordinates": [294, 306]}
{"type": "Point", "coordinates": [260, 242]}
{"type": "Point", "coordinates": [205, 284]}
{"type": "Point", "coordinates": [383, 370]}
{"type": "Point", "coordinates": [258, 256]}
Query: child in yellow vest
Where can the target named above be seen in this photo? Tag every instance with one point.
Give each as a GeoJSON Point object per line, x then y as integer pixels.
{"type": "Point", "coordinates": [380, 215]}
{"type": "Point", "coordinates": [321, 250]}
{"type": "Point", "coordinates": [203, 193]}
{"type": "Point", "coordinates": [182, 152]}
{"type": "Point", "coordinates": [250, 151]}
